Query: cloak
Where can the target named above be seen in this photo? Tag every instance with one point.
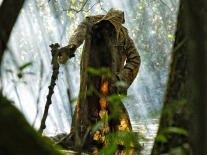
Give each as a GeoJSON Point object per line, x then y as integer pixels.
{"type": "Point", "coordinates": [107, 44]}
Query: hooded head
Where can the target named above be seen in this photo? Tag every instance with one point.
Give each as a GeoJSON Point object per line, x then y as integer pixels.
{"type": "Point", "coordinates": [115, 17]}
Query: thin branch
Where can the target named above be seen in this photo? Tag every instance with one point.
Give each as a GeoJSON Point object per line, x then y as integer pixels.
{"type": "Point", "coordinates": [70, 102]}
{"type": "Point", "coordinates": [82, 7]}
{"type": "Point", "coordinates": [101, 6]}
{"type": "Point", "coordinates": [90, 7]}
{"type": "Point", "coordinates": [179, 45]}
{"type": "Point", "coordinates": [77, 11]}
{"type": "Point", "coordinates": [166, 5]}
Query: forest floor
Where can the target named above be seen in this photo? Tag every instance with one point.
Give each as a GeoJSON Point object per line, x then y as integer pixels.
{"type": "Point", "coordinates": [146, 128]}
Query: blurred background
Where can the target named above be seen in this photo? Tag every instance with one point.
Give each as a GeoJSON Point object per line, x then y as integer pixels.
{"type": "Point", "coordinates": [26, 68]}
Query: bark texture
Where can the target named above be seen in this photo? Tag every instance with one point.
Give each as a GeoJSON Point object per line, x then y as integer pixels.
{"type": "Point", "coordinates": [196, 27]}
{"type": "Point", "coordinates": [106, 48]}
{"type": "Point", "coordinates": [185, 104]}
{"type": "Point", "coordinates": [176, 111]}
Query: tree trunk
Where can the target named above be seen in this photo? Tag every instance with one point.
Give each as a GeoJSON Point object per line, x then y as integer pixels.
{"type": "Point", "coordinates": [185, 100]}
{"type": "Point", "coordinates": [9, 11]}
{"type": "Point", "coordinates": [196, 27]}
{"type": "Point", "coordinates": [176, 111]}
{"type": "Point", "coordinates": [17, 136]}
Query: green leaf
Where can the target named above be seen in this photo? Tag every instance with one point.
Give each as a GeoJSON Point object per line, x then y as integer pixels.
{"type": "Point", "coordinates": [20, 75]}
{"type": "Point", "coordinates": [161, 138]}
{"type": "Point", "coordinates": [96, 126]}
{"type": "Point", "coordinates": [171, 37]}
{"type": "Point", "coordinates": [109, 149]}
{"type": "Point", "coordinates": [175, 130]}
{"type": "Point", "coordinates": [93, 71]}
{"type": "Point", "coordinates": [25, 66]}
{"type": "Point", "coordinates": [177, 151]}
{"type": "Point", "coordinates": [103, 71]}
{"type": "Point", "coordinates": [115, 98]}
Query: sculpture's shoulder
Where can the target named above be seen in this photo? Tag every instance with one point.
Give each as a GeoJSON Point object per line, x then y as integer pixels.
{"type": "Point", "coordinates": [93, 19]}
{"type": "Point", "coordinates": [124, 29]}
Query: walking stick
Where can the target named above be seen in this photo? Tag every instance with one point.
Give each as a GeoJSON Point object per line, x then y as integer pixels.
{"type": "Point", "coordinates": [54, 53]}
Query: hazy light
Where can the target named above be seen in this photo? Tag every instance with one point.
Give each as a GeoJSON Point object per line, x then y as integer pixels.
{"type": "Point", "coordinates": [41, 24]}
{"type": "Point", "coordinates": [1, 2]}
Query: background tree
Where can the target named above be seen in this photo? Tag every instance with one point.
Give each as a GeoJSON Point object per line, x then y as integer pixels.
{"type": "Point", "coordinates": [182, 127]}
{"type": "Point", "coordinates": [9, 9]}
{"type": "Point", "coordinates": [42, 22]}
{"type": "Point", "coordinates": [195, 25]}
{"type": "Point", "coordinates": [17, 135]}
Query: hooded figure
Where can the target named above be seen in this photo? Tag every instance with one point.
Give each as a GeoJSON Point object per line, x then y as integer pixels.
{"type": "Point", "coordinates": [108, 48]}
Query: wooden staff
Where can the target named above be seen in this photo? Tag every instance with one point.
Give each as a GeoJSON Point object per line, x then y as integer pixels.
{"type": "Point", "coordinates": [54, 53]}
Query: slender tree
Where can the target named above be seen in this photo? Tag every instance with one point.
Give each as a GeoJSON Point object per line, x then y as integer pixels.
{"type": "Point", "coordinates": [9, 11]}
{"type": "Point", "coordinates": [17, 136]}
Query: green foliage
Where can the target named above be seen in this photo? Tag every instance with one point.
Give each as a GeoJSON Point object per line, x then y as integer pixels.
{"type": "Point", "coordinates": [122, 138]}
{"type": "Point", "coordinates": [177, 151]}
{"type": "Point", "coordinates": [113, 140]}
{"type": "Point", "coordinates": [175, 130]}
{"type": "Point", "coordinates": [116, 98]}
{"type": "Point", "coordinates": [164, 134]}
{"type": "Point", "coordinates": [175, 106]}
{"type": "Point", "coordinates": [109, 149]}
{"type": "Point", "coordinates": [103, 71]}
{"type": "Point", "coordinates": [20, 73]}
{"type": "Point", "coordinates": [161, 138]}
{"type": "Point", "coordinates": [17, 136]}
{"type": "Point", "coordinates": [169, 112]}
{"type": "Point", "coordinates": [148, 29]}
{"type": "Point", "coordinates": [21, 68]}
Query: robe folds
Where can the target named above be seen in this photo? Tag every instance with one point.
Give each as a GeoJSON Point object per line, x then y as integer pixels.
{"type": "Point", "coordinates": [107, 45]}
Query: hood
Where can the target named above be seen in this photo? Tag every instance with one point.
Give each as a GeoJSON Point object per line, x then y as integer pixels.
{"type": "Point", "coordinates": [116, 17]}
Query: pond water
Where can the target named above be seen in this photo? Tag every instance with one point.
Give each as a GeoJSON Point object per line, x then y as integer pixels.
{"type": "Point", "coordinates": [147, 129]}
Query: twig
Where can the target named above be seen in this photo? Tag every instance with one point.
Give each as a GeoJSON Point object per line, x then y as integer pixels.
{"type": "Point", "coordinates": [71, 101]}
{"type": "Point", "coordinates": [179, 45]}
{"type": "Point", "coordinates": [82, 7]}
{"type": "Point", "coordinates": [85, 136]}
{"type": "Point", "coordinates": [77, 11]}
{"type": "Point", "coordinates": [90, 7]}
{"type": "Point", "coordinates": [101, 6]}
{"type": "Point", "coordinates": [166, 5]}
{"type": "Point", "coordinates": [55, 64]}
